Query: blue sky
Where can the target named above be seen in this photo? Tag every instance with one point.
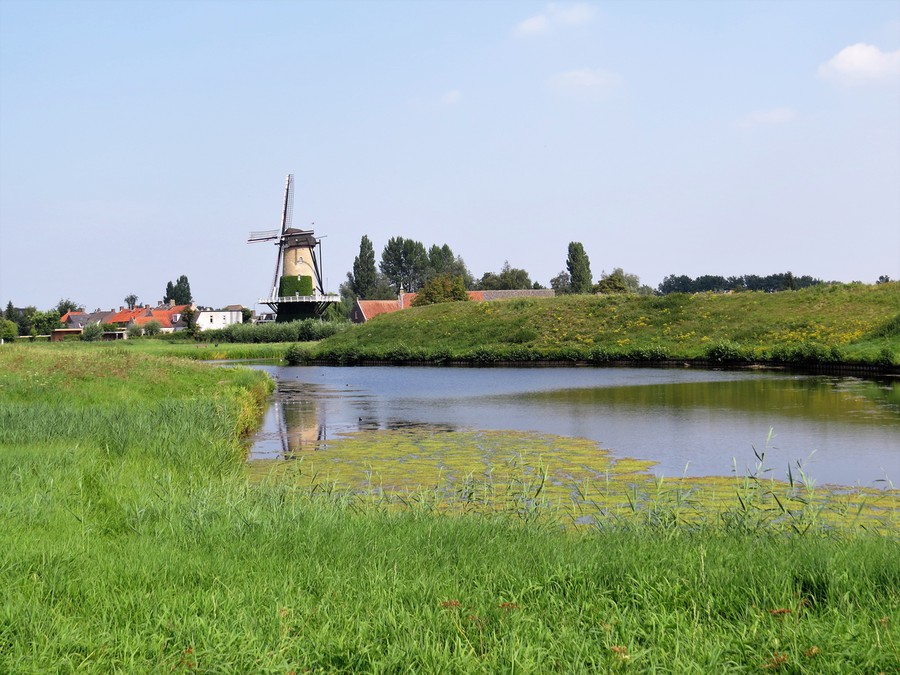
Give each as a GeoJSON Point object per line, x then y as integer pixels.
{"type": "Point", "coordinates": [143, 140]}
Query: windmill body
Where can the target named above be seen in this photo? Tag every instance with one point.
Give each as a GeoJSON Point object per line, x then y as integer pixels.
{"type": "Point", "coordinates": [297, 289]}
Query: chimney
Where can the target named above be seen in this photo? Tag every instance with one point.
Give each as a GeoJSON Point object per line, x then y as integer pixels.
{"type": "Point", "coordinates": [171, 302]}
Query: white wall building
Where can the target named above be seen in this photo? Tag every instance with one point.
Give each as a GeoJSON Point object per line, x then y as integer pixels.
{"type": "Point", "coordinates": [218, 319]}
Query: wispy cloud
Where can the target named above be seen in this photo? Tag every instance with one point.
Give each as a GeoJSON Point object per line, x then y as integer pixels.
{"type": "Point", "coordinates": [585, 80]}
{"type": "Point", "coordinates": [770, 117]}
{"type": "Point", "coordinates": [451, 97]}
{"type": "Point", "coordinates": [860, 64]}
{"type": "Point", "coordinates": [555, 15]}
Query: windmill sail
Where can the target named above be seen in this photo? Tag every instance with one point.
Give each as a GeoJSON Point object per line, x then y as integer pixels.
{"type": "Point", "coordinates": [296, 264]}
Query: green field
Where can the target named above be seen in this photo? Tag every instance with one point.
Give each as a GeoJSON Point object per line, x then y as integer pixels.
{"type": "Point", "coordinates": [196, 350]}
{"type": "Point", "coordinates": [133, 539]}
{"type": "Point", "coordinates": [841, 323]}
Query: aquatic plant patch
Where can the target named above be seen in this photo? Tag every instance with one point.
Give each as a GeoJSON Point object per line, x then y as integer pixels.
{"type": "Point", "coordinates": [571, 480]}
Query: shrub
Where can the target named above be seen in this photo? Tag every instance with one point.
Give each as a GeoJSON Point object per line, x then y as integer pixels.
{"type": "Point", "coordinates": [296, 355]}
{"type": "Point", "coordinates": [152, 327]}
{"type": "Point", "coordinates": [807, 352]}
{"type": "Point", "coordinates": [651, 353]}
{"type": "Point", "coordinates": [302, 330]}
{"type": "Point", "coordinates": [134, 331]}
{"type": "Point", "coordinates": [726, 351]}
{"type": "Point", "coordinates": [92, 332]}
{"type": "Point", "coordinates": [886, 356]}
{"type": "Point", "coordinates": [9, 331]}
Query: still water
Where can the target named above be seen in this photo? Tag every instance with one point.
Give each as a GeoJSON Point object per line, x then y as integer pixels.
{"type": "Point", "coordinates": [842, 430]}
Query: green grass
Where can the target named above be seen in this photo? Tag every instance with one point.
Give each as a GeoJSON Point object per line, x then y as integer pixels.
{"type": "Point", "coordinates": [132, 540]}
{"type": "Point", "coordinates": [202, 350]}
{"type": "Point", "coordinates": [849, 323]}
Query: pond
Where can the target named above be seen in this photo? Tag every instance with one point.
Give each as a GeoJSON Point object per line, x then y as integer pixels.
{"type": "Point", "coordinates": [842, 430]}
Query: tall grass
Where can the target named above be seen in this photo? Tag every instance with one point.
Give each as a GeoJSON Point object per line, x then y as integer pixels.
{"type": "Point", "coordinates": [130, 541]}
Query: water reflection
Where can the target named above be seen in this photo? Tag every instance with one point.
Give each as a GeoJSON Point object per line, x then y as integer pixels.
{"type": "Point", "coordinates": [691, 422]}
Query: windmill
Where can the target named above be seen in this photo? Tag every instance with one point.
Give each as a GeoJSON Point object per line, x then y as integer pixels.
{"type": "Point", "coordinates": [298, 292]}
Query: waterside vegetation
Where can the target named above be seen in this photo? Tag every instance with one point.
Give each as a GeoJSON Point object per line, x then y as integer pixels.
{"type": "Point", "coordinates": [839, 323]}
{"type": "Point", "coordinates": [132, 539]}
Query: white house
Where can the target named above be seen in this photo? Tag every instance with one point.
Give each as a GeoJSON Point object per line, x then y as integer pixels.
{"type": "Point", "coordinates": [218, 319]}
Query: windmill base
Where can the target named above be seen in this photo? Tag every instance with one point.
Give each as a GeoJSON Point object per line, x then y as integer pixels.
{"type": "Point", "coordinates": [297, 308]}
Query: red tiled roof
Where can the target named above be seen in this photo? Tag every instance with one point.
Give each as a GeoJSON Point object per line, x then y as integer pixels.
{"type": "Point", "coordinates": [65, 317]}
{"type": "Point", "coordinates": [159, 315]}
{"type": "Point", "coordinates": [372, 308]}
{"type": "Point", "coordinates": [125, 315]}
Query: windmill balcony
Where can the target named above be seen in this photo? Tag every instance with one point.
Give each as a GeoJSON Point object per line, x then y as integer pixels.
{"type": "Point", "coordinates": [317, 297]}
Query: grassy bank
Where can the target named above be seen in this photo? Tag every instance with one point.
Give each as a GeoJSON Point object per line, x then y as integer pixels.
{"type": "Point", "coordinates": [132, 541]}
{"type": "Point", "coordinates": [202, 350]}
{"type": "Point", "coordinates": [825, 324]}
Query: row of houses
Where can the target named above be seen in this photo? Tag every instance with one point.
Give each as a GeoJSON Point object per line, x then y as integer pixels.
{"type": "Point", "coordinates": [365, 310]}
{"type": "Point", "coordinates": [169, 317]}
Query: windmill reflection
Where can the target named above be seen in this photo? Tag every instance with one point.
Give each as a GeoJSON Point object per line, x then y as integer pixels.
{"type": "Point", "coordinates": [301, 422]}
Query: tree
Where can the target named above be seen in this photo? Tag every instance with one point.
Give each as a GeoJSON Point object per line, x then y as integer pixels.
{"type": "Point", "coordinates": [442, 260]}
{"type": "Point", "coordinates": [246, 315]}
{"type": "Point", "coordinates": [152, 327]}
{"type": "Point", "coordinates": [579, 268]}
{"type": "Point", "coordinates": [510, 278]}
{"type": "Point", "coordinates": [883, 279]}
{"type": "Point", "coordinates": [620, 281]}
{"type": "Point", "coordinates": [134, 331]}
{"type": "Point", "coordinates": [612, 283]}
{"type": "Point", "coordinates": [24, 318]}
{"type": "Point", "coordinates": [131, 300]}
{"type": "Point", "coordinates": [10, 312]}
{"type": "Point", "coordinates": [190, 322]}
{"type": "Point", "coordinates": [676, 284]}
{"type": "Point", "coordinates": [65, 305]}
{"type": "Point", "coordinates": [561, 283]}
{"type": "Point", "coordinates": [364, 277]}
{"type": "Point", "coordinates": [43, 323]}
{"type": "Point", "coordinates": [443, 288]}
{"type": "Point", "coordinates": [9, 331]}
{"type": "Point", "coordinates": [404, 263]}
{"type": "Point", "coordinates": [180, 291]}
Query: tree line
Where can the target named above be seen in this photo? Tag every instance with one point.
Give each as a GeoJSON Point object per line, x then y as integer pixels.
{"type": "Point", "coordinates": [772, 283]}
{"type": "Point", "coordinates": [406, 265]}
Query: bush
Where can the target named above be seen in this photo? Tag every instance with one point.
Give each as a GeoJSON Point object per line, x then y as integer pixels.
{"type": "Point", "coordinates": [9, 331]}
{"type": "Point", "coordinates": [296, 355]}
{"type": "Point", "coordinates": [92, 332]}
{"type": "Point", "coordinates": [726, 351]}
{"type": "Point", "coordinates": [807, 352]}
{"type": "Point", "coordinates": [152, 327]}
{"type": "Point", "coordinates": [886, 357]}
{"type": "Point", "coordinates": [302, 330]}
{"type": "Point", "coordinates": [134, 331]}
{"type": "Point", "coordinates": [651, 353]}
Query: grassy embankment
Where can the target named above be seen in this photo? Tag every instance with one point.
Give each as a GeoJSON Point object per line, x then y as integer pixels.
{"type": "Point", "coordinates": [130, 540]}
{"type": "Point", "coordinates": [827, 324]}
{"type": "Point", "coordinates": [195, 350]}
